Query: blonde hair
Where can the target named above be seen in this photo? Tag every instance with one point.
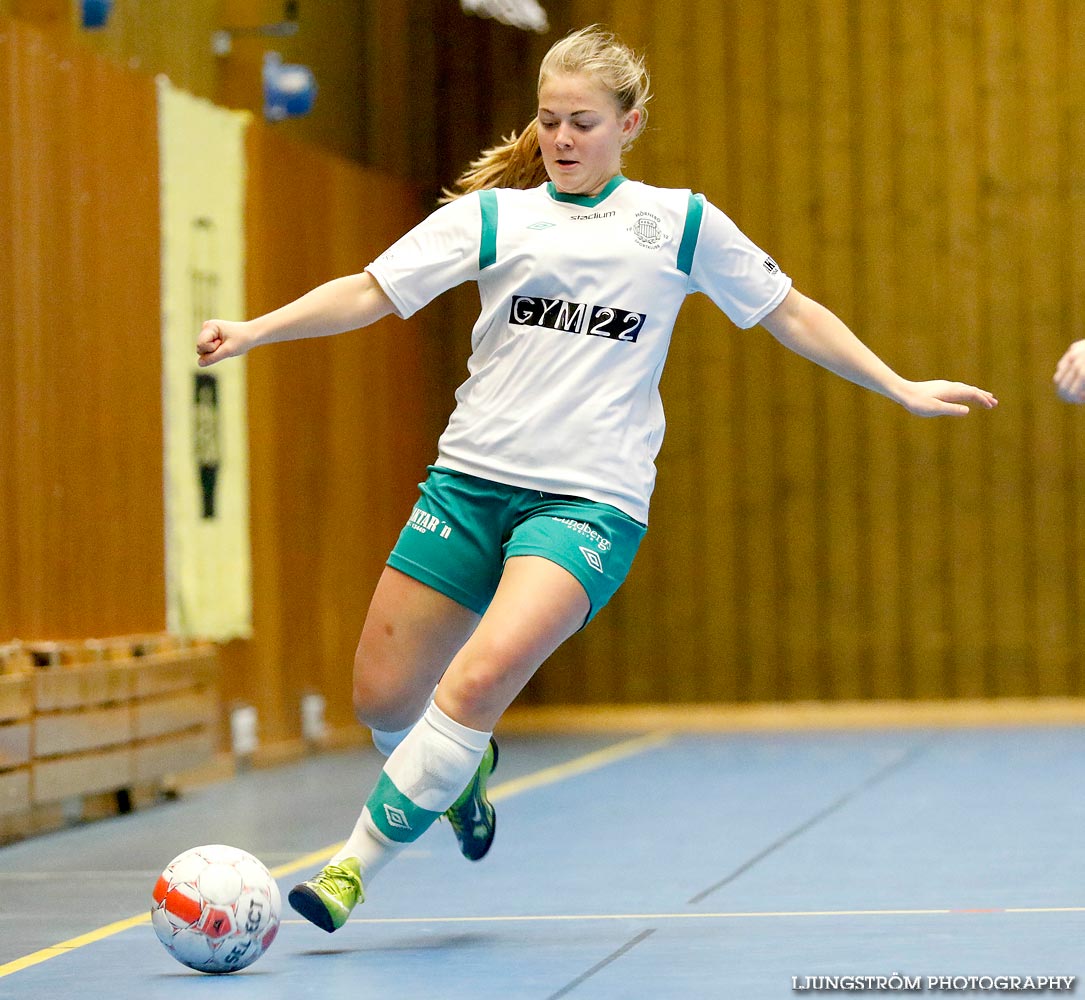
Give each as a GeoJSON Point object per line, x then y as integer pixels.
{"type": "Point", "coordinates": [592, 51]}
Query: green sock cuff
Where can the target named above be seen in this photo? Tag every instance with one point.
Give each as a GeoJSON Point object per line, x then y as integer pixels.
{"type": "Point", "coordinates": [395, 815]}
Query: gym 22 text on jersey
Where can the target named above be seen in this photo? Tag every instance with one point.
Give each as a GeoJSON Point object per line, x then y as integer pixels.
{"type": "Point", "coordinates": [569, 317]}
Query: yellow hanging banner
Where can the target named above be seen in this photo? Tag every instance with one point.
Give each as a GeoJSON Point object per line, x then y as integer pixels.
{"type": "Point", "coordinates": [202, 178]}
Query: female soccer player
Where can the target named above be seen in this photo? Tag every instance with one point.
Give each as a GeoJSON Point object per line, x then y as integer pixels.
{"type": "Point", "coordinates": [531, 515]}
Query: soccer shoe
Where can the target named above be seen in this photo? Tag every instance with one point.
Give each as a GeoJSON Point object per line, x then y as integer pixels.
{"type": "Point", "coordinates": [471, 816]}
{"type": "Point", "coordinates": [328, 897]}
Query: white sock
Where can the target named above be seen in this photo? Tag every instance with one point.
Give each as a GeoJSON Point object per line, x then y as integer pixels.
{"type": "Point", "coordinates": [424, 775]}
{"type": "Point", "coordinates": [386, 741]}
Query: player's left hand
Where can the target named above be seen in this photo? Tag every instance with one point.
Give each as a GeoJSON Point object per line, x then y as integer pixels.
{"type": "Point", "coordinates": [939, 398]}
{"type": "Point", "coordinates": [1070, 373]}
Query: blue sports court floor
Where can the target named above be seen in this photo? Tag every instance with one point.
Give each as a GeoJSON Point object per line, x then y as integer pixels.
{"type": "Point", "coordinates": [651, 865]}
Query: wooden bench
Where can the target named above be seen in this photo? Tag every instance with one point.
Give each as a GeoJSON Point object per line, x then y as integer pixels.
{"type": "Point", "coordinates": [85, 727]}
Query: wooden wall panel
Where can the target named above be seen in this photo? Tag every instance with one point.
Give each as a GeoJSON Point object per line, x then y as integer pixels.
{"type": "Point", "coordinates": [1072, 318]}
{"type": "Point", "coordinates": [341, 429]}
{"type": "Point", "coordinates": [1003, 156]}
{"type": "Point", "coordinates": [81, 491]}
{"type": "Point", "coordinates": [9, 410]}
{"type": "Point", "coordinates": [155, 36]}
{"type": "Point", "coordinates": [163, 36]}
{"type": "Point", "coordinates": [958, 99]}
{"type": "Point", "coordinates": [918, 169]}
{"type": "Point", "coordinates": [840, 554]}
{"type": "Point", "coordinates": [714, 407]}
{"type": "Point", "coordinates": [922, 526]}
{"type": "Point", "coordinates": [877, 308]}
{"type": "Point", "coordinates": [1043, 247]}
{"type": "Point", "coordinates": [414, 88]}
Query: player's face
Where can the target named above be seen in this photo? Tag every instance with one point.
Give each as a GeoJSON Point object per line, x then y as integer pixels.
{"type": "Point", "coordinates": [581, 132]}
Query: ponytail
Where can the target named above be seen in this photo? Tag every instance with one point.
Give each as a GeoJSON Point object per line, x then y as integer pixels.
{"type": "Point", "coordinates": [516, 163]}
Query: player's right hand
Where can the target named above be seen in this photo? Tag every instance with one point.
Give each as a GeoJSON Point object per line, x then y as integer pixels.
{"type": "Point", "coordinates": [220, 339]}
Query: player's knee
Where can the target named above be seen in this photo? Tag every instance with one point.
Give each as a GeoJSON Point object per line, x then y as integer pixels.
{"type": "Point", "coordinates": [374, 703]}
{"type": "Point", "coordinates": [385, 699]}
{"type": "Point", "coordinates": [476, 689]}
{"type": "Point", "coordinates": [375, 709]}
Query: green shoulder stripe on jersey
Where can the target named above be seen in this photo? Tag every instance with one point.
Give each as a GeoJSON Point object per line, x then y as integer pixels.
{"type": "Point", "coordinates": [582, 199]}
{"type": "Point", "coordinates": [487, 249]}
{"type": "Point", "coordinates": [690, 233]}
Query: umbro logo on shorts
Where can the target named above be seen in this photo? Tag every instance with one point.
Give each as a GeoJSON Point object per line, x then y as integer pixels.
{"type": "Point", "coordinates": [593, 559]}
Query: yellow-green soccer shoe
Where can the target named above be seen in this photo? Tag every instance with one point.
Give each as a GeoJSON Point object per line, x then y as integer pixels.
{"type": "Point", "coordinates": [328, 897]}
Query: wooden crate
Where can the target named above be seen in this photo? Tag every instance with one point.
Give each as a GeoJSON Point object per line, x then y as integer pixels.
{"type": "Point", "coordinates": [15, 741]}
{"type": "Point", "coordinates": [160, 760]}
{"type": "Point", "coordinates": [78, 775]}
{"type": "Point", "coordinates": [121, 712]}
{"type": "Point", "coordinates": [175, 712]}
{"type": "Point", "coordinates": [57, 733]}
{"type": "Point", "coordinates": [88, 727]}
{"type": "Point", "coordinates": [168, 671]}
{"type": "Point", "coordinates": [15, 658]}
{"type": "Point", "coordinates": [82, 685]}
{"type": "Point", "coordinates": [16, 697]}
{"type": "Point", "coordinates": [15, 791]}
{"type": "Point", "coordinates": [129, 647]}
{"type": "Point", "coordinates": [16, 734]}
{"type": "Point", "coordinates": [82, 724]}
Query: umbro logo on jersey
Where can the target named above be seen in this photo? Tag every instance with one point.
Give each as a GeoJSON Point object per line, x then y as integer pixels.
{"type": "Point", "coordinates": [592, 558]}
{"type": "Point", "coordinates": [542, 225]}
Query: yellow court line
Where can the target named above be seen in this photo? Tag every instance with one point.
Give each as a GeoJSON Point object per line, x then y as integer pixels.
{"type": "Point", "coordinates": [517, 786]}
{"type": "Point", "coordinates": [547, 776]}
{"type": "Point", "coordinates": [581, 765]}
{"type": "Point", "coordinates": [70, 945]}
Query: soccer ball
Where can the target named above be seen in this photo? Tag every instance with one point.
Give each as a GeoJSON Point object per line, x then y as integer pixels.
{"type": "Point", "coordinates": [216, 908]}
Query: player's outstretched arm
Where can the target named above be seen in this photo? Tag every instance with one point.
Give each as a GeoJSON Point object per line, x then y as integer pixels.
{"type": "Point", "coordinates": [1070, 373]}
{"type": "Point", "coordinates": [337, 306]}
{"type": "Point", "coordinates": [808, 328]}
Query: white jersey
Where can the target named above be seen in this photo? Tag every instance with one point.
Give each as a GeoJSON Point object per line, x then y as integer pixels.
{"type": "Point", "coordinates": [579, 297]}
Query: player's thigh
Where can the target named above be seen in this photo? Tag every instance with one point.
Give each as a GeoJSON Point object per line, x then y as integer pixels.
{"type": "Point", "coordinates": [411, 634]}
{"type": "Point", "coordinates": [537, 606]}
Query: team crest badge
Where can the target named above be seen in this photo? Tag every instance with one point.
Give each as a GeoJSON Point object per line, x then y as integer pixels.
{"type": "Point", "coordinates": [646, 231]}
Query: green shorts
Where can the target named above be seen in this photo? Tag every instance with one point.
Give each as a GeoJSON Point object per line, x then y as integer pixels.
{"type": "Point", "coordinates": [463, 529]}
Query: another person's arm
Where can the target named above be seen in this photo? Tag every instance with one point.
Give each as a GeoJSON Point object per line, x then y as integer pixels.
{"type": "Point", "coordinates": [1070, 373]}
